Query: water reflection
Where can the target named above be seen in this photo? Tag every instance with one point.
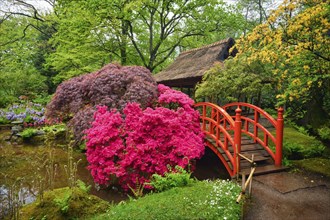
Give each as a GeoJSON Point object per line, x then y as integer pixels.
{"type": "Point", "coordinates": [28, 169]}
{"type": "Point", "coordinates": [13, 197]}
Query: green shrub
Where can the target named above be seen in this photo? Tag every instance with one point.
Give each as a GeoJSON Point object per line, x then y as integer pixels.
{"type": "Point", "coordinates": [178, 178]}
{"type": "Point", "coordinates": [271, 111]}
{"type": "Point", "coordinates": [324, 133]}
{"type": "Point", "coordinates": [295, 151]}
{"type": "Point", "coordinates": [81, 185]}
{"type": "Point", "coordinates": [298, 145]}
{"type": "Point", "coordinates": [57, 128]}
{"type": "Point", "coordinates": [27, 133]}
{"type": "Point", "coordinates": [42, 99]}
{"type": "Point", "coordinates": [3, 120]}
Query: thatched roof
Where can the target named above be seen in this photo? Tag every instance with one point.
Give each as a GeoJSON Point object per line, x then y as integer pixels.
{"type": "Point", "coordinates": [189, 67]}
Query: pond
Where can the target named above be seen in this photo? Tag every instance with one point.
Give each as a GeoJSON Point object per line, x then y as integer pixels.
{"type": "Point", "coordinates": [26, 169]}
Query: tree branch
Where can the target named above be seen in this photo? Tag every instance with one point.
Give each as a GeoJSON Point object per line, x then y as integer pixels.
{"type": "Point", "coordinates": [171, 50]}
{"type": "Point", "coordinates": [131, 36]}
{"type": "Point", "coordinates": [24, 34]}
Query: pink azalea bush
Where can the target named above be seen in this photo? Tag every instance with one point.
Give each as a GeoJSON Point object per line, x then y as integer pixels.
{"type": "Point", "coordinates": [140, 142]}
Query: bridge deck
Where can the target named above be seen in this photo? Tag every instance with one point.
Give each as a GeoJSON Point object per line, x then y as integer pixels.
{"type": "Point", "coordinates": [265, 164]}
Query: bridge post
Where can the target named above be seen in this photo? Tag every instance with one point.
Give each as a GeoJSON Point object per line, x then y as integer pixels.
{"type": "Point", "coordinates": [237, 137]}
{"type": "Point", "coordinates": [279, 136]}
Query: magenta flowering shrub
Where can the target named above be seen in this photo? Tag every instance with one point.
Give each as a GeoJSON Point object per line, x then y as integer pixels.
{"type": "Point", "coordinates": [140, 142]}
{"type": "Point", "coordinates": [111, 86]}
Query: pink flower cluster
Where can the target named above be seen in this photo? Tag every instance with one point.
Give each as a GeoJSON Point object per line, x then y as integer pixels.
{"type": "Point", "coordinates": [141, 142]}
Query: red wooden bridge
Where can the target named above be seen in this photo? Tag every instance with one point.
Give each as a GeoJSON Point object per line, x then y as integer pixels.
{"type": "Point", "coordinates": [241, 130]}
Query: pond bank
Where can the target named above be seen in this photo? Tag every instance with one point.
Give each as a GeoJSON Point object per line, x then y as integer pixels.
{"type": "Point", "coordinates": [28, 168]}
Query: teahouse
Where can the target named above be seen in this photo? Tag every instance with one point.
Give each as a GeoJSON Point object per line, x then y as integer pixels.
{"type": "Point", "coordinates": [189, 67]}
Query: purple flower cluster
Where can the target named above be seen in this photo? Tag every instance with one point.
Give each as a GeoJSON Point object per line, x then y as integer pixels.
{"type": "Point", "coordinates": [28, 112]}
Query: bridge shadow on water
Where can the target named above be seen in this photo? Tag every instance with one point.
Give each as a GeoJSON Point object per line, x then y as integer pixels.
{"type": "Point", "coordinates": [210, 167]}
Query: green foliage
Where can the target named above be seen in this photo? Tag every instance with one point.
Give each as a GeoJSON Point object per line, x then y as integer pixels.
{"type": "Point", "coordinates": [236, 80]}
{"type": "Point", "coordinates": [299, 145]}
{"type": "Point", "coordinates": [177, 178]}
{"type": "Point", "coordinates": [92, 33]}
{"type": "Point", "coordinates": [18, 75]}
{"type": "Point", "coordinates": [28, 133]}
{"type": "Point", "coordinates": [43, 100]}
{"type": "Point", "coordinates": [294, 45]}
{"type": "Point", "coordinates": [83, 186]}
{"type": "Point", "coordinates": [4, 120]}
{"type": "Point", "coordinates": [201, 200]}
{"type": "Point", "coordinates": [294, 151]}
{"type": "Point", "coordinates": [324, 133]}
{"type": "Point", "coordinates": [65, 203]}
{"type": "Point", "coordinates": [56, 128]}
{"type": "Point", "coordinates": [79, 42]}
{"type": "Point", "coordinates": [82, 146]}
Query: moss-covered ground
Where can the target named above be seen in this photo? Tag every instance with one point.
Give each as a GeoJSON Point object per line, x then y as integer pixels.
{"type": "Point", "coordinates": [64, 203]}
{"type": "Point", "coordinates": [304, 152]}
{"type": "Point", "coordinates": [315, 165]}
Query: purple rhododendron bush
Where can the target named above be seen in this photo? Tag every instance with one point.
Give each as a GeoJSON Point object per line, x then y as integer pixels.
{"type": "Point", "coordinates": [131, 145]}
{"type": "Point", "coordinates": [113, 86]}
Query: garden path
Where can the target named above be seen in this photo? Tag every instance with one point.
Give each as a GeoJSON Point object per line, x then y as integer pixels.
{"type": "Point", "coordinates": [289, 196]}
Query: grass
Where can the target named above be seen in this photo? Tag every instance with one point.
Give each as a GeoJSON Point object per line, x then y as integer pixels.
{"type": "Point", "coordinates": [298, 145]}
{"type": "Point", "coordinates": [293, 135]}
{"type": "Point", "coordinates": [201, 200]}
{"type": "Point", "coordinates": [305, 152]}
{"type": "Point", "coordinates": [315, 165]}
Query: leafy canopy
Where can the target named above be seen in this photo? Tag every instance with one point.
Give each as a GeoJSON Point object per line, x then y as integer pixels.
{"type": "Point", "coordinates": [140, 32]}
{"type": "Point", "coordinates": [295, 42]}
{"type": "Point", "coordinates": [289, 54]}
{"type": "Point", "coordinates": [18, 74]}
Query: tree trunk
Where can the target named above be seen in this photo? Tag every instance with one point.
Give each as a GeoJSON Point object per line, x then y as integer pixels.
{"type": "Point", "coordinates": [123, 43]}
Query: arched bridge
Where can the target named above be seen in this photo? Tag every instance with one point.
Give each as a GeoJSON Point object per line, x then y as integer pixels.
{"type": "Point", "coordinates": [245, 129]}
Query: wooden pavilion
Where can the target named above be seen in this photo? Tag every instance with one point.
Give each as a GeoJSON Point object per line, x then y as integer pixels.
{"type": "Point", "coordinates": [190, 66]}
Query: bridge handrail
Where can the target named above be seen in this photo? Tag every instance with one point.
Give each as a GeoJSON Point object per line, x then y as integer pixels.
{"type": "Point", "coordinates": [220, 109]}
{"type": "Point", "coordinates": [226, 120]}
{"type": "Point", "coordinates": [278, 125]}
{"type": "Point", "coordinates": [259, 110]}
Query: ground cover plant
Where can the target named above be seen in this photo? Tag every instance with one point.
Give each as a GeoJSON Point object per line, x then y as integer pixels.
{"type": "Point", "coordinates": [75, 100]}
{"type": "Point", "coordinates": [314, 165]}
{"type": "Point", "coordinates": [64, 203]}
{"type": "Point", "coordinates": [298, 145]}
{"type": "Point", "coordinates": [133, 145]}
{"type": "Point", "coordinates": [55, 129]}
{"type": "Point", "coordinates": [179, 178]}
{"type": "Point", "coordinates": [200, 200]}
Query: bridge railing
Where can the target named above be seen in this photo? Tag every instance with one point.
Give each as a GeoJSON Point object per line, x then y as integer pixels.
{"type": "Point", "coordinates": [219, 126]}
{"type": "Point", "coordinates": [253, 128]}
